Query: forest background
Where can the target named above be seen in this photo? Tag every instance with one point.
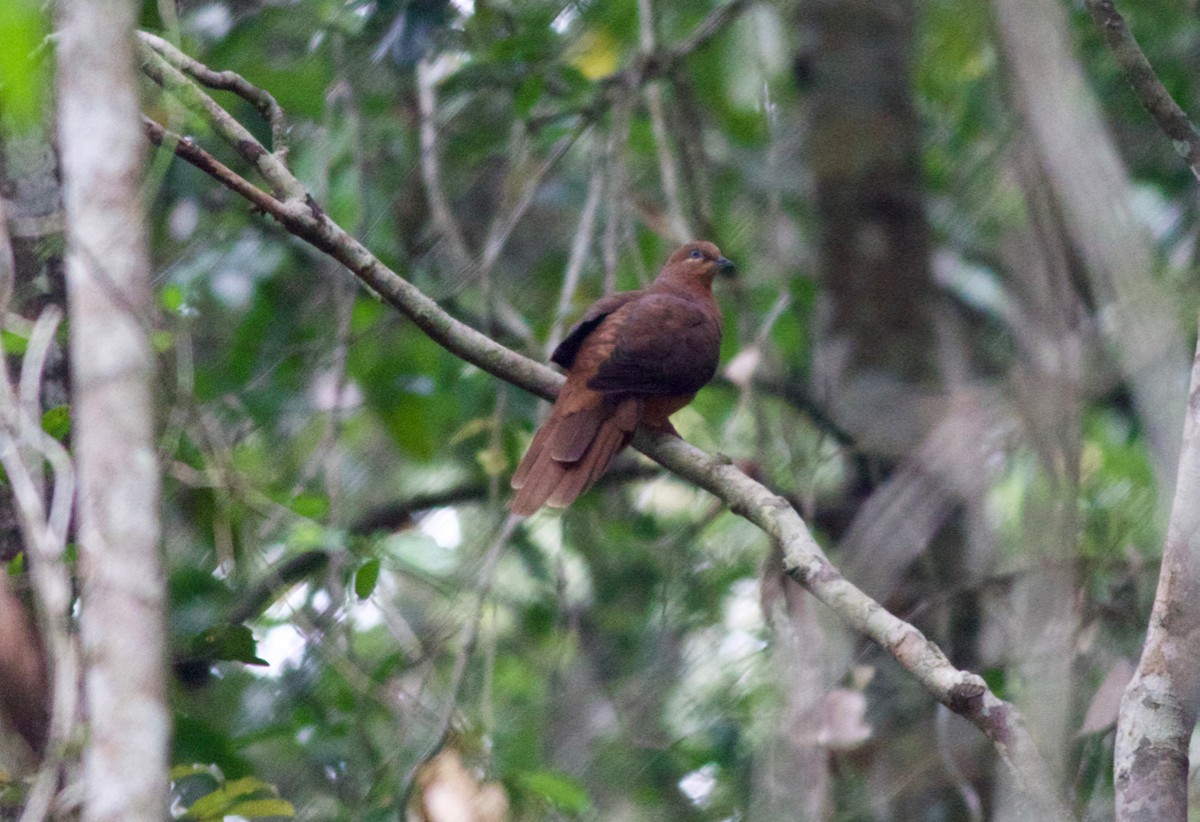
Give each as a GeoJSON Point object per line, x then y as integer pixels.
{"type": "Point", "coordinates": [956, 355]}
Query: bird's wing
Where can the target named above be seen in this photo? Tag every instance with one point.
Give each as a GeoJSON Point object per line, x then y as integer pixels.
{"type": "Point", "coordinates": [663, 344]}
{"type": "Point", "coordinates": [564, 354]}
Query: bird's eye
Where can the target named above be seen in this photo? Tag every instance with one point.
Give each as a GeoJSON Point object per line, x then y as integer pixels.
{"type": "Point", "coordinates": [696, 254]}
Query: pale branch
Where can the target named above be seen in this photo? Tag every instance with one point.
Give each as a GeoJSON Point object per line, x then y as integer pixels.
{"type": "Point", "coordinates": [616, 162]}
{"type": "Point", "coordinates": [467, 639]}
{"type": "Point", "coordinates": [430, 166]}
{"type": "Point", "coordinates": [122, 592]}
{"type": "Point", "coordinates": [227, 80]}
{"type": "Point", "coordinates": [502, 227]}
{"type": "Point", "coordinates": [580, 246]}
{"type": "Point", "coordinates": [1159, 707]}
{"type": "Point", "coordinates": [1161, 703]}
{"type": "Point", "coordinates": [1150, 91]}
{"type": "Point", "coordinates": [963, 692]}
{"type": "Point", "coordinates": [23, 448]}
{"type": "Point", "coordinates": [668, 173]}
{"type": "Point", "coordinates": [159, 68]}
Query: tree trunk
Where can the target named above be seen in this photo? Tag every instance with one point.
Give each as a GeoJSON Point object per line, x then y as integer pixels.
{"type": "Point", "coordinates": [122, 597]}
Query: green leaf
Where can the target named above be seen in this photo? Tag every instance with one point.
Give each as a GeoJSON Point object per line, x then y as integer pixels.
{"type": "Point", "coordinates": [528, 93]}
{"type": "Point", "coordinates": [560, 790]}
{"type": "Point", "coordinates": [22, 74]}
{"type": "Point", "coordinates": [14, 343]}
{"type": "Point", "coordinates": [216, 805]}
{"type": "Point", "coordinates": [259, 808]}
{"type": "Point", "coordinates": [228, 642]}
{"type": "Point", "coordinates": [306, 536]}
{"type": "Point", "coordinates": [162, 341]}
{"type": "Point", "coordinates": [171, 297]}
{"type": "Point", "coordinates": [313, 506]}
{"type": "Point", "coordinates": [57, 421]}
{"type": "Point", "coordinates": [184, 771]}
{"type": "Point", "coordinates": [365, 579]}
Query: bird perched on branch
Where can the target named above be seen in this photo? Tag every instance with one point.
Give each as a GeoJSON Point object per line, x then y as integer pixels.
{"type": "Point", "coordinates": [635, 358]}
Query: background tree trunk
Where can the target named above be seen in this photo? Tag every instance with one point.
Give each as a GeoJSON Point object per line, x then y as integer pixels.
{"type": "Point", "coordinates": [123, 591]}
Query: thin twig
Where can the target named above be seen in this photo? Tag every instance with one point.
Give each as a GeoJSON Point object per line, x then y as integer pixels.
{"type": "Point", "coordinates": [468, 635]}
{"type": "Point", "coordinates": [614, 213]}
{"type": "Point", "coordinates": [29, 398]}
{"type": "Point", "coordinates": [503, 227]}
{"type": "Point", "coordinates": [663, 61]}
{"type": "Point", "coordinates": [667, 168]}
{"type": "Point", "coordinates": [185, 148]}
{"type": "Point", "coordinates": [8, 267]}
{"type": "Point", "coordinates": [708, 28]}
{"type": "Point", "coordinates": [580, 247]}
{"type": "Point", "coordinates": [946, 744]}
{"type": "Point", "coordinates": [1150, 91]}
{"type": "Point", "coordinates": [400, 514]}
{"type": "Point", "coordinates": [430, 165]}
{"type": "Point", "coordinates": [23, 445]}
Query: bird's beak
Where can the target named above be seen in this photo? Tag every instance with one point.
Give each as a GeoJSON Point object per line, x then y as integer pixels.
{"type": "Point", "coordinates": [726, 267]}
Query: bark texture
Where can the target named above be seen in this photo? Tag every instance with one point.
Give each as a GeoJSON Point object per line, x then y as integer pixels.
{"type": "Point", "coordinates": [874, 343]}
{"type": "Point", "coordinates": [1160, 706]}
{"type": "Point", "coordinates": [122, 623]}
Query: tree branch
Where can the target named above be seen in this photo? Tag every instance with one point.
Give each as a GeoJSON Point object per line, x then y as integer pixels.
{"type": "Point", "coordinates": [430, 165]}
{"type": "Point", "coordinates": [667, 167]}
{"type": "Point", "coordinates": [580, 246]}
{"type": "Point", "coordinates": [467, 637]}
{"type": "Point", "coordinates": [187, 149]}
{"type": "Point", "coordinates": [158, 66]}
{"type": "Point", "coordinates": [23, 448]}
{"type": "Point", "coordinates": [961, 691]}
{"type": "Point", "coordinates": [1150, 91]}
{"type": "Point", "coordinates": [231, 81]}
{"type": "Point", "coordinates": [1161, 703]}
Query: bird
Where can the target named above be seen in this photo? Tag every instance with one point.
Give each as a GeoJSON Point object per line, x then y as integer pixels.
{"type": "Point", "coordinates": [633, 359]}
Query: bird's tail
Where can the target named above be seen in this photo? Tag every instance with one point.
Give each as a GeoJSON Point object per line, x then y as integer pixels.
{"type": "Point", "coordinates": [543, 480]}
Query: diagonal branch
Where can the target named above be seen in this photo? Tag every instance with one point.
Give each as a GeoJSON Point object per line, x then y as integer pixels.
{"type": "Point", "coordinates": [187, 149]}
{"type": "Point", "coordinates": [961, 691]}
{"type": "Point", "coordinates": [1150, 91]}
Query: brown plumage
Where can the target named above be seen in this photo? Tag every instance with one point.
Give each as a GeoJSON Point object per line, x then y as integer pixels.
{"type": "Point", "coordinates": [635, 358]}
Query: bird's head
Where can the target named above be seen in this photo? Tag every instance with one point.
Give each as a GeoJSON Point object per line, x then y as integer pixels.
{"type": "Point", "coordinates": [698, 261]}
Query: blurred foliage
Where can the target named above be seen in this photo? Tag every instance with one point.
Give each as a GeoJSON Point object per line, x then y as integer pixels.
{"type": "Point", "coordinates": [622, 665]}
{"type": "Point", "coordinates": [24, 74]}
